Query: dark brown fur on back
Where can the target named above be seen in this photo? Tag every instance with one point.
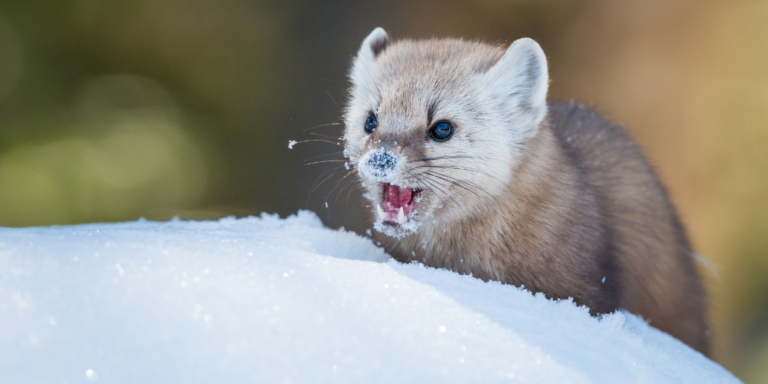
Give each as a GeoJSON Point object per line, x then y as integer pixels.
{"type": "Point", "coordinates": [654, 260]}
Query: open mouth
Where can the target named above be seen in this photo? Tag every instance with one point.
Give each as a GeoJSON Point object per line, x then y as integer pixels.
{"type": "Point", "coordinates": [398, 204]}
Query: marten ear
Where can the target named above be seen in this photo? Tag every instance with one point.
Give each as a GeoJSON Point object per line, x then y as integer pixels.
{"type": "Point", "coordinates": [372, 47]}
{"type": "Point", "coordinates": [521, 77]}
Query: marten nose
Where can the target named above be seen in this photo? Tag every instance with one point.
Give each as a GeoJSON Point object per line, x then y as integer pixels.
{"type": "Point", "coordinates": [381, 163]}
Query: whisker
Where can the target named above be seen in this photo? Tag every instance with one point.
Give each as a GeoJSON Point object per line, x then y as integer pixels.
{"type": "Point", "coordinates": [326, 136]}
{"type": "Point", "coordinates": [333, 172]}
{"type": "Point", "coordinates": [348, 174]}
{"type": "Point", "coordinates": [332, 99]}
{"type": "Point", "coordinates": [354, 186]}
{"type": "Point", "coordinates": [330, 172]}
{"type": "Point", "coordinates": [460, 184]}
{"type": "Point", "coordinates": [453, 157]}
{"type": "Point", "coordinates": [430, 185]}
{"type": "Point", "coordinates": [320, 126]}
{"type": "Point", "coordinates": [453, 167]}
{"type": "Point", "coordinates": [318, 141]}
{"type": "Point", "coordinates": [448, 195]}
{"type": "Point", "coordinates": [349, 182]}
{"type": "Point", "coordinates": [329, 161]}
{"type": "Point", "coordinates": [337, 184]}
{"type": "Point", "coordinates": [337, 153]}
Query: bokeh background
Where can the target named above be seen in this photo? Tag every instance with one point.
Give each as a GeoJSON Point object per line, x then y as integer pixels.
{"type": "Point", "coordinates": [115, 110]}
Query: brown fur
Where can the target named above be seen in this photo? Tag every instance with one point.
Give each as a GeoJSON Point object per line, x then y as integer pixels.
{"type": "Point", "coordinates": [586, 205]}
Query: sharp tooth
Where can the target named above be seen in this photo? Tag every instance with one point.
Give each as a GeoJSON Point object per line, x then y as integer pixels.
{"type": "Point", "coordinates": [401, 216]}
{"type": "Point", "coordinates": [380, 212]}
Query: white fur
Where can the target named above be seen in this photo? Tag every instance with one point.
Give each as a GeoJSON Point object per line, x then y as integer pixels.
{"type": "Point", "coordinates": [363, 69]}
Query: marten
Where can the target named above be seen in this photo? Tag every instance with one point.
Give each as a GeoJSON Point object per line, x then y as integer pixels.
{"type": "Point", "coordinates": [469, 168]}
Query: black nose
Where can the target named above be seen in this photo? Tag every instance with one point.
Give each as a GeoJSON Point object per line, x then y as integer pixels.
{"type": "Point", "coordinates": [381, 162]}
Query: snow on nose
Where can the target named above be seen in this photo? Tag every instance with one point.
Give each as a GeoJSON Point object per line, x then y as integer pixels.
{"type": "Point", "coordinates": [380, 163]}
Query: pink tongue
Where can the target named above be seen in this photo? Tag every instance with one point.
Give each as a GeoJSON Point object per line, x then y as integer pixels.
{"type": "Point", "coordinates": [405, 196]}
{"type": "Point", "coordinates": [396, 197]}
{"type": "Point", "coordinates": [393, 198]}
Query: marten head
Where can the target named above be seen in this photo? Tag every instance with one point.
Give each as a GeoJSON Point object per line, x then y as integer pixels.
{"type": "Point", "coordinates": [436, 127]}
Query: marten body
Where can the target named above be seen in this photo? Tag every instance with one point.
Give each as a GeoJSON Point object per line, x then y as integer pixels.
{"type": "Point", "coordinates": [469, 169]}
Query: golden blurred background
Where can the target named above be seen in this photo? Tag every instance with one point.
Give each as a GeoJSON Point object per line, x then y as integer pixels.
{"type": "Point", "coordinates": [115, 110]}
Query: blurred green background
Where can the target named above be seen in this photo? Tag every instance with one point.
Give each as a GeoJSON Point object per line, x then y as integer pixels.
{"type": "Point", "coordinates": [115, 110]}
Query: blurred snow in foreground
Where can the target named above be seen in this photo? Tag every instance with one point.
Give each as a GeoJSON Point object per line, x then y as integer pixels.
{"type": "Point", "coordinates": [273, 300]}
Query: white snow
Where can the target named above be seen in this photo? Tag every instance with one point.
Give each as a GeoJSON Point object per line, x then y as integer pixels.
{"type": "Point", "coordinates": [269, 300]}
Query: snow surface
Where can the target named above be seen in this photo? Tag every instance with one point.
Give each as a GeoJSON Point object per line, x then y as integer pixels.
{"type": "Point", "coordinates": [273, 300]}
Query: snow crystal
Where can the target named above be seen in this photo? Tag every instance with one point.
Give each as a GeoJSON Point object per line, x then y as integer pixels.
{"type": "Point", "coordinates": [286, 300]}
{"type": "Point", "coordinates": [291, 143]}
{"type": "Point", "coordinates": [91, 375]}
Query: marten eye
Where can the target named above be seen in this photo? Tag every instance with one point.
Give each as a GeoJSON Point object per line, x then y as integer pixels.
{"type": "Point", "coordinates": [371, 123]}
{"type": "Point", "coordinates": [441, 131]}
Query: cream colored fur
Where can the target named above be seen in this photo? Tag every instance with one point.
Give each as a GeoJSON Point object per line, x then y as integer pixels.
{"type": "Point", "coordinates": [494, 110]}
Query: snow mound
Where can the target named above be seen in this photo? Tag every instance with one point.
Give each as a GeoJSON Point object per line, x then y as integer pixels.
{"type": "Point", "coordinates": [288, 301]}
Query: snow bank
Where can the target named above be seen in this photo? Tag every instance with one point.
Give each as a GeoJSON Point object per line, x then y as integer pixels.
{"type": "Point", "coordinates": [274, 300]}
